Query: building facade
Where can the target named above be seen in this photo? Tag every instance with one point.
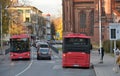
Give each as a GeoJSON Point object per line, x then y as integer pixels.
{"type": "Point", "coordinates": [82, 16]}
{"type": "Point", "coordinates": [28, 16]}
{"type": "Point", "coordinates": [48, 27]}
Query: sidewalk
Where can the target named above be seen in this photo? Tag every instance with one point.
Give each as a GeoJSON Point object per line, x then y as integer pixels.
{"type": "Point", "coordinates": [105, 69]}
{"type": "Point", "coordinates": [3, 52]}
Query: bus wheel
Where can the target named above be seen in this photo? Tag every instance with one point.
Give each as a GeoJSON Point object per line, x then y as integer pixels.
{"type": "Point", "coordinates": [49, 58]}
{"type": "Point", "coordinates": [92, 66]}
{"type": "Point", "coordinates": [28, 58]}
{"type": "Point", "coordinates": [12, 59]}
{"type": "Point", "coordinates": [64, 67]}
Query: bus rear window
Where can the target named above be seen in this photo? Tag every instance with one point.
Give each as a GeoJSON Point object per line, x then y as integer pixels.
{"type": "Point", "coordinates": [76, 41]}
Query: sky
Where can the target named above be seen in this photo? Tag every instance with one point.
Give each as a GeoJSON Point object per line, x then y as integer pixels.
{"type": "Point", "coordinates": [53, 7]}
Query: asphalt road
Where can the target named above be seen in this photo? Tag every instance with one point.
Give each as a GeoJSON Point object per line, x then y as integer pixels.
{"type": "Point", "coordinates": [36, 67]}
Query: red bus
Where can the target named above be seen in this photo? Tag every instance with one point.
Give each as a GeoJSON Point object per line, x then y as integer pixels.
{"type": "Point", "coordinates": [20, 47]}
{"type": "Point", "coordinates": [76, 50]}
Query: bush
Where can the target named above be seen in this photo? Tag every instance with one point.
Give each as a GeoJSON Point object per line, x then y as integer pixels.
{"type": "Point", "coordinates": [107, 45]}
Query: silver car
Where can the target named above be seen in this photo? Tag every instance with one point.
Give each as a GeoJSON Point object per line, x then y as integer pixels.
{"type": "Point", "coordinates": [44, 53]}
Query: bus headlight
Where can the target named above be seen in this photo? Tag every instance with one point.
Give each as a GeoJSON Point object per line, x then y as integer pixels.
{"type": "Point", "coordinates": [64, 55]}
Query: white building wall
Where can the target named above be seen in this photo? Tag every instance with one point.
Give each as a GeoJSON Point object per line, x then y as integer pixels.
{"type": "Point", "coordinates": [48, 27]}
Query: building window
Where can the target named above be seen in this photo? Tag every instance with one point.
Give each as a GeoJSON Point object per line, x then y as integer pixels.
{"type": "Point", "coordinates": [27, 11]}
{"type": "Point", "coordinates": [27, 19]}
{"type": "Point", "coordinates": [91, 22]}
{"type": "Point", "coordinates": [20, 11]}
{"type": "Point", "coordinates": [82, 19]}
{"type": "Point", "coordinates": [103, 11]}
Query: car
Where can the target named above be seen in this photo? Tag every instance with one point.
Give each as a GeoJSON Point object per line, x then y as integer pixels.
{"type": "Point", "coordinates": [44, 53]}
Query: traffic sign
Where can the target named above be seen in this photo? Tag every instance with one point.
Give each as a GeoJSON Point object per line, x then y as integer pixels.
{"type": "Point", "coordinates": [114, 31]}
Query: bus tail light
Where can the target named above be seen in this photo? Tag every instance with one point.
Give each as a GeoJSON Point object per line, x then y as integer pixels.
{"type": "Point", "coordinates": [11, 55]}
{"type": "Point", "coordinates": [27, 54]}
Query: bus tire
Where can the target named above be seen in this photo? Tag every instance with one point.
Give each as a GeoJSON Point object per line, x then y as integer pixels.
{"type": "Point", "coordinates": [64, 67]}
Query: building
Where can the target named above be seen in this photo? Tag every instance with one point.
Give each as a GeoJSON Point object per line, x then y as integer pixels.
{"type": "Point", "coordinates": [28, 16]}
{"type": "Point", "coordinates": [47, 27]}
{"type": "Point", "coordinates": [82, 16]}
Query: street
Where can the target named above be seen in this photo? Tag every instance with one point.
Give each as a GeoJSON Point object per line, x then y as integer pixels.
{"type": "Point", "coordinates": [36, 67]}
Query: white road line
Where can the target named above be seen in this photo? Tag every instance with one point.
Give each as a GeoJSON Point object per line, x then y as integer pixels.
{"type": "Point", "coordinates": [56, 67]}
{"type": "Point", "coordinates": [26, 67]}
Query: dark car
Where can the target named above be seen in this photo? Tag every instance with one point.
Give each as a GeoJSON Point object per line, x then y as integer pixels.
{"type": "Point", "coordinates": [44, 53]}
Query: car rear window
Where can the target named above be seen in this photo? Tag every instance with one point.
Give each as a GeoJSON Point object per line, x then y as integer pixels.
{"type": "Point", "coordinates": [44, 46]}
{"type": "Point", "coordinates": [44, 50]}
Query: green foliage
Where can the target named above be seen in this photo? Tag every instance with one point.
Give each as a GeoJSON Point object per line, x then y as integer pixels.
{"type": "Point", "coordinates": [106, 45]}
{"type": "Point", "coordinates": [110, 44]}
{"type": "Point", "coordinates": [118, 43]}
{"type": "Point", "coordinates": [5, 19]}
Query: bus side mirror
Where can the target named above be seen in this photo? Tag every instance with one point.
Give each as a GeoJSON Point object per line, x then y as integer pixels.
{"type": "Point", "coordinates": [91, 47]}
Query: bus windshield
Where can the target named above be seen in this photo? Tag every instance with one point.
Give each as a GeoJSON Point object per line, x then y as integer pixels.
{"type": "Point", "coordinates": [19, 45]}
{"type": "Point", "coordinates": [76, 45]}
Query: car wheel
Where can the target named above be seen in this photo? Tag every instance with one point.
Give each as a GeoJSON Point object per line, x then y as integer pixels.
{"type": "Point", "coordinates": [49, 58]}
{"type": "Point", "coordinates": [38, 58]}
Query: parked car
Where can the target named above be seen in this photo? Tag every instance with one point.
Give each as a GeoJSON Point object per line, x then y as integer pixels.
{"type": "Point", "coordinates": [44, 53]}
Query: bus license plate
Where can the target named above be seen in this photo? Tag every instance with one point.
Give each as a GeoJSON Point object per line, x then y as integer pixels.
{"type": "Point", "coordinates": [75, 65]}
{"type": "Point", "coordinates": [20, 57]}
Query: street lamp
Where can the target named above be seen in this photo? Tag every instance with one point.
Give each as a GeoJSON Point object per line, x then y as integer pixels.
{"type": "Point", "coordinates": [1, 28]}
{"type": "Point", "coordinates": [100, 42]}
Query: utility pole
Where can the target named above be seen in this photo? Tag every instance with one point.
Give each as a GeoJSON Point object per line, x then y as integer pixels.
{"type": "Point", "coordinates": [1, 28]}
{"type": "Point", "coordinates": [100, 25]}
{"type": "Point", "coordinates": [100, 42]}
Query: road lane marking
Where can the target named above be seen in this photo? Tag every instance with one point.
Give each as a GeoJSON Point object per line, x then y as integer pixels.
{"type": "Point", "coordinates": [57, 67]}
{"type": "Point", "coordinates": [26, 67]}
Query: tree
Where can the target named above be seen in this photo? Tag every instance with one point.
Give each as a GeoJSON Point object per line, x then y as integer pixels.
{"type": "Point", "coordinates": [53, 32]}
{"type": "Point", "coordinates": [16, 20]}
{"type": "Point", "coordinates": [58, 27]}
{"type": "Point", "coordinates": [5, 18]}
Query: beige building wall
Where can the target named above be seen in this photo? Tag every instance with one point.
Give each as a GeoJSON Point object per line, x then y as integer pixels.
{"type": "Point", "coordinates": [26, 12]}
{"type": "Point", "coordinates": [107, 5]}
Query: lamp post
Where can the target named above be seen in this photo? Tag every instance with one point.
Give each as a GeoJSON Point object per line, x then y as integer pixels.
{"type": "Point", "coordinates": [1, 28]}
{"type": "Point", "coordinates": [100, 39]}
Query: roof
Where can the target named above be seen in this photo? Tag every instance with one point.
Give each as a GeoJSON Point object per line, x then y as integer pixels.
{"type": "Point", "coordinates": [21, 7]}
{"type": "Point", "coordinates": [48, 14]}
{"type": "Point", "coordinates": [74, 35]}
{"type": "Point", "coordinates": [116, 12]}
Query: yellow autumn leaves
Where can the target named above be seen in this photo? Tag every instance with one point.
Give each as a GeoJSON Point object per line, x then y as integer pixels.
{"type": "Point", "coordinates": [16, 29]}
{"type": "Point", "coordinates": [58, 27]}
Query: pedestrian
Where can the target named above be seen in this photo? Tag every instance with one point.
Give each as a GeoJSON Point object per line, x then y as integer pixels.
{"type": "Point", "coordinates": [101, 50]}
{"type": "Point", "coordinates": [118, 60]}
{"type": "Point", "coordinates": [116, 51]}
